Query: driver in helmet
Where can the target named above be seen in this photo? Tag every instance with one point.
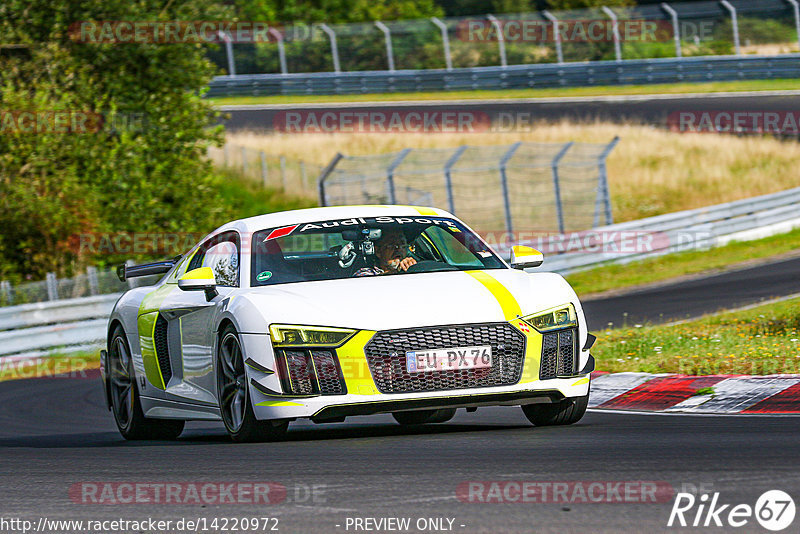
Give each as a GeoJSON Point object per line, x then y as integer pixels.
{"type": "Point", "coordinates": [391, 252]}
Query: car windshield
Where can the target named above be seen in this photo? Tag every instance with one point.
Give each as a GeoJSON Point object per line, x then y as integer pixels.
{"type": "Point", "coordinates": [366, 246]}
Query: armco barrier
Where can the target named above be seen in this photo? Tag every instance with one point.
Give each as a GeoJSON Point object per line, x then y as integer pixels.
{"type": "Point", "coordinates": [625, 72]}
{"type": "Point", "coordinates": [80, 324]}
{"type": "Point", "coordinates": [64, 325]}
{"type": "Point", "coordinates": [741, 220]}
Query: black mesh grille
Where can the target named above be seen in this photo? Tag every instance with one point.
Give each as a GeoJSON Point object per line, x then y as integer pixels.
{"type": "Point", "coordinates": [328, 377]}
{"type": "Point", "coordinates": [386, 356]}
{"type": "Point", "coordinates": [162, 348]}
{"type": "Point", "coordinates": [559, 354]}
{"type": "Point", "coordinates": [300, 377]}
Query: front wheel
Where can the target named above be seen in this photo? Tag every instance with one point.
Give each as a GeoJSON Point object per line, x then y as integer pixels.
{"type": "Point", "coordinates": [125, 403]}
{"type": "Point", "coordinates": [565, 412]}
{"type": "Point", "coordinates": [234, 397]}
{"type": "Point", "coordinates": [423, 417]}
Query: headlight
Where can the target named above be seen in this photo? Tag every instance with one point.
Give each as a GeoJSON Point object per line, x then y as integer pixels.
{"type": "Point", "coordinates": [285, 335]}
{"type": "Point", "coordinates": [552, 319]}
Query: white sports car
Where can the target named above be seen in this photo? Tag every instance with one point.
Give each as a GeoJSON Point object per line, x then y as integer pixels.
{"type": "Point", "coordinates": [326, 313]}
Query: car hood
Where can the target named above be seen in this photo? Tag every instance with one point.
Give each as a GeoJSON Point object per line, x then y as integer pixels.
{"type": "Point", "coordinates": [409, 300]}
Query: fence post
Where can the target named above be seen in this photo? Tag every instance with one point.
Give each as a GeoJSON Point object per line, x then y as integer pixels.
{"type": "Point", "coordinates": [324, 176]}
{"type": "Point", "coordinates": [501, 42]}
{"type": "Point", "coordinates": [228, 52]}
{"type": "Point", "coordinates": [387, 35]}
{"type": "Point", "coordinates": [603, 196]}
{"type": "Point", "coordinates": [281, 49]}
{"type": "Point", "coordinates": [556, 36]}
{"type": "Point", "coordinates": [225, 154]}
{"type": "Point", "coordinates": [615, 30]}
{"type": "Point", "coordinates": [390, 174]}
{"type": "Point", "coordinates": [52, 286]}
{"type": "Point", "coordinates": [334, 48]}
{"type": "Point", "coordinates": [91, 275]}
{"type": "Point", "coordinates": [796, 8]}
{"type": "Point", "coordinates": [7, 292]}
{"type": "Point", "coordinates": [557, 184]}
{"type": "Point", "coordinates": [283, 172]}
{"type": "Point", "coordinates": [263, 168]}
{"type": "Point", "coordinates": [735, 22]}
{"type": "Point", "coordinates": [448, 182]}
{"type": "Point", "coordinates": [303, 175]}
{"type": "Point", "coordinates": [675, 27]}
{"type": "Point", "coordinates": [244, 160]}
{"type": "Point", "coordinates": [504, 184]}
{"type": "Point", "coordinates": [448, 58]}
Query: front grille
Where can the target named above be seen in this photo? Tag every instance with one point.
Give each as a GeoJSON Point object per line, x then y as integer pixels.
{"type": "Point", "coordinates": [386, 356]}
{"type": "Point", "coordinates": [305, 372]}
{"type": "Point", "coordinates": [559, 354]}
{"type": "Point", "coordinates": [162, 348]}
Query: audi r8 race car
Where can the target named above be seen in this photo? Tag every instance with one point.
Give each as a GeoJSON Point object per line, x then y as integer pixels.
{"type": "Point", "coordinates": [326, 313]}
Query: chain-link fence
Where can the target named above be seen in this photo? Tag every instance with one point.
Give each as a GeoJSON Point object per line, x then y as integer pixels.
{"type": "Point", "coordinates": [530, 186]}
{"type": "Point", "coordinates": [93, 282]}
{"type": "Point", "coordinates": [273, 171]}
{"type": "Point", "coordinates": [678, 29]}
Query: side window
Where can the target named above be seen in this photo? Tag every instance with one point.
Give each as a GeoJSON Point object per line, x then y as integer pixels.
{"type": "Point", "coordinates": [448, 246]}
{"type": "Point", "coordinates": [221, 254]}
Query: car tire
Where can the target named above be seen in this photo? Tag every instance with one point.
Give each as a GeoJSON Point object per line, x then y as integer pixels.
{"type": "Point", "coordinates": [124, 394]}
{"type": "Point", "coordinates": [233, 393]}
{"type": "Point", "coordinates": [423, 417]}
{"type": "Point", "coordinates": [565, 412]}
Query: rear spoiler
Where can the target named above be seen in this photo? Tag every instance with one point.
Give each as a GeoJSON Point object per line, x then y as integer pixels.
{"type": "Point", "coordinates": [134, 271]}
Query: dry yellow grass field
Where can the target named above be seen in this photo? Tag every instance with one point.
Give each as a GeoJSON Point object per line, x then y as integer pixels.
{"type": "Point", "coordinates": [652, 171]}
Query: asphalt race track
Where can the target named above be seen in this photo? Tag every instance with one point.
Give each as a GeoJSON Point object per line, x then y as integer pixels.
{"type": "Point", "coordinates": [646, 109]}
{"type": "Point", "coordinates": [55, 433]}
{"type": "Point", "coordinates": [693, 298]}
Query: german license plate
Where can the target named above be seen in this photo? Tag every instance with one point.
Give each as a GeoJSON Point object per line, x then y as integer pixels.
{"type": "Point", "coordinates": [453, 358]}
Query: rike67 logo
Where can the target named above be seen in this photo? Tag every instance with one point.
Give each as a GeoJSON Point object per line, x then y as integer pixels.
{"type": "Point", "coordinates": [774, 510]}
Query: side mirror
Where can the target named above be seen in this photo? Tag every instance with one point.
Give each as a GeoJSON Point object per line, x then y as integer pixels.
{"type": "Point", "coordinates": [525, 257]}
{"type": "Point", "coordinates": [201, 279]}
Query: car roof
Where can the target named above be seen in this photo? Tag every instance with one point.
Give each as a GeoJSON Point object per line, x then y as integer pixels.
{"type": "Point", "coordinates": [286, 218]}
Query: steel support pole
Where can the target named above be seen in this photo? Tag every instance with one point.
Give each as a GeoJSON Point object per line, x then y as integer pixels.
{"type": "Point", "coordinates": [735, 22]}
{"type": "Point", "coordinates": [283, 173]}
{"type": "Point", "coordinates": [448, 58]}
{"type": "Point", "coordinates": [244, 160]}
{"type": "Point", "coordinates": [324, 176]}
{"type": "Point", "coordinates": [603, 193]}
{"type": "Point", "coordinates": [334, 47]}
{"type": "Point", "coordinates": [556, 35]}
{"type": "Point", "coordinates": [52, 286]}
{"type": "Point", "coordinates": [228, 52]}
{"type": "Point", "coordinates": [281, 49]}
{"type": "Point", "coordinates": [504, 184]}
{"type": "Point", "coordinates": [557, 184]}
{"type": "Point", "coordinates": [390, 174]}
{"type": "Point", "coordinates": [796, 8]}
{"type": "Point", "coordinates": [263, 168]}
{"type": "Point", "coordinates": [448, 181]}
{"type": "Point", "coordinates": [387, 35]}
{"type": "Point", "coordinates": [675, 27]}
{"type": "Point", "coordinates": [615, 30]}
{"type": "Point", "coordinates": [7, 292]}
{"type": "Point", "coordinates": [501, 42]}
{"type": "Point", "coordinates": [91, 277]}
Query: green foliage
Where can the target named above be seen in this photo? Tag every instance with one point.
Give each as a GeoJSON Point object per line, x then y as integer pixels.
{"type": "Point", "coordinates": [335, 11]}
{"type": "Point", "coordinates": [150, 175]}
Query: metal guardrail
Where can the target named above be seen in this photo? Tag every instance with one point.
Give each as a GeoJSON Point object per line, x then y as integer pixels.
{"type": "Point", "coordinates": [29, 330]}
{"type": "Point", "coordinates": [80, 324]}
{"type": "Point", "coordinates": [630, 71]}
{"type": "Point", "coordinates": [741, 220]}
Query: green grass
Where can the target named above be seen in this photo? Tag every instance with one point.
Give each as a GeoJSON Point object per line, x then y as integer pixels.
{"type": "Point", "coordinates": [246, 198]}
{"type": "Point", "coordinates": [661, 268]}
{"type": "Point", "coordinates": [676, 88]}
{"type": "Point", "coordinates": [72, 365]}
{"type": "Point", "coordinates": [758, 341]}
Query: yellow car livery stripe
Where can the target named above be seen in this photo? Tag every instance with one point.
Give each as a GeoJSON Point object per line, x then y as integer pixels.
{"type": "Point", "coordinates": [278, 403]}
{"type": "Point", "coordinates": [505, 299]}
{"type": "Point", "coordinates": [146, 323]}
{"type": "Point", "coordinates": [426, 211]}
{"type": "Point", "coordinates": [354, 365]}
